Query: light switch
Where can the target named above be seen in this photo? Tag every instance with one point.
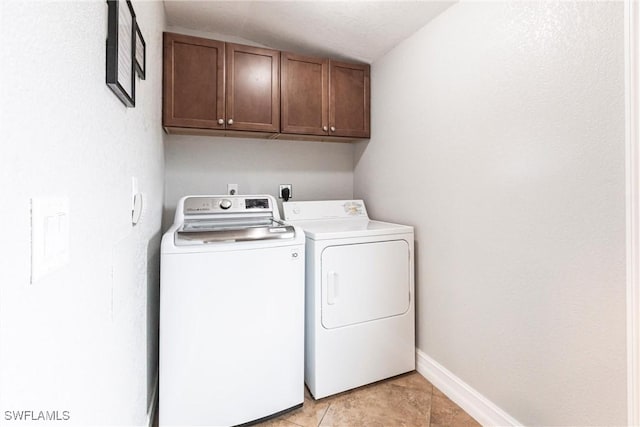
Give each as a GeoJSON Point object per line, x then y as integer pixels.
{"type": "Point", "coordinates": [49, 235]}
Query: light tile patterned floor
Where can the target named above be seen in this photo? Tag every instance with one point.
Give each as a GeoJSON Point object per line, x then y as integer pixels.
{"type": "Point", "coordinates": [407, 400]}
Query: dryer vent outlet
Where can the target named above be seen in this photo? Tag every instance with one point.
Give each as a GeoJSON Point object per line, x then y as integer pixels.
{"type": "Point", "coordinates": [285, 192]}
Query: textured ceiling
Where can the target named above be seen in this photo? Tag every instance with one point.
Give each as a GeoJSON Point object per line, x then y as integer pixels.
{"type": "Point", "coordinates": [355, 30]}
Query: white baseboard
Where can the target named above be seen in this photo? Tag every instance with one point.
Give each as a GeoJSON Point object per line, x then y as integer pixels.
{"type": "Point", "coordinates": [153, 405]}
{"type": "Point", "coordinates": [475, 404]}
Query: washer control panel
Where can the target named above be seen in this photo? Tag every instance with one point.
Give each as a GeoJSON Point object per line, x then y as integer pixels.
{"type": "Point", "coordinates": [203, 205]}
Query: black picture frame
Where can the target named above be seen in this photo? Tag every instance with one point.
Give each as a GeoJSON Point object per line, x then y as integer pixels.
{"type": "Point", "coordinates": [140, 53]}
{"type": "Point", "coordinates": [121, 34]}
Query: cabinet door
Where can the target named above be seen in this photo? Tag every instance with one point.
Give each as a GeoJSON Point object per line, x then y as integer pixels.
{"type": "Point", "coordinates": [305, 93]}
{"type": "Point", "coordinates": [349, 98]}
{"type": "Point", "coordinates": [253, 90]}
{"type": "Point", "coordinates": [193, 82]}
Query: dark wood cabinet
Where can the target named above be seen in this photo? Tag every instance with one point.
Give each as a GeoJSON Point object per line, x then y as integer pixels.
{"type": "Point", "coordinates": [305, 95]}
{"type": "Point", "coordinates": [217, 88]}
{"type": "Point", "coordinates": [195, 94]}
{"type": "Point", "coordinates": [349, 99]}
{"type": "Point", "coordinates": [253, 88]}
{"type": "Point", "coordinates": [322, 97]}
{"type": "Point", "coordinates": [193, 82]}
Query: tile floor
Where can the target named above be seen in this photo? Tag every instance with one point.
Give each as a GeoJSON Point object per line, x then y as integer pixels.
{"type": "Point", "coordinates": [406, 400]}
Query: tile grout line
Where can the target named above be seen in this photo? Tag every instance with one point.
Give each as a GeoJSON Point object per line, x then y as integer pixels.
{"type": "Point", "coordinates": [323, 415]}
{"type": "Point", "coordinates": [430, 404]}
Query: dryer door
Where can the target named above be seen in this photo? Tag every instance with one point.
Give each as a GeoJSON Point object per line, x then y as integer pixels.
{"type": "Point", "coordinates": [364, 282]}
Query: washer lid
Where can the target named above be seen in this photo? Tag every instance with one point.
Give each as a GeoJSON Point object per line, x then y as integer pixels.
{"type": "Point", "coordinates": [236, 230]}
{"type": "Point", "coordinates": [346, 228]}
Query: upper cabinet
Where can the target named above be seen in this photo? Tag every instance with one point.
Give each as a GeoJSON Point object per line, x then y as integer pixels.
{"type": "Point", "coordinates": [253, 89]}
{"type": "Point", "coordinates": [349, 99]}
{"type": "Point", "coordinates": [193, 82]}
{"type": "Point", "coordinates": [323, 97]}
{"type": "Point", "coordinates": [195, 94]}
{"type": "Point", "coordinates": [305, 95]}
{"type": "Point", "coordinates": [212, 87]}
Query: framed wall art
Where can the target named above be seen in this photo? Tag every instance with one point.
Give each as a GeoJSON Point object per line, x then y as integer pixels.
{"type": "Point", "coordinates": [121, 57]}
{"type": "Point", "coordinates": [141, 53]}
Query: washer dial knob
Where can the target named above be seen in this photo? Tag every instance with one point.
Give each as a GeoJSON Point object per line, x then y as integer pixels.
{"type": "Point", "coordinates": [225, 204]}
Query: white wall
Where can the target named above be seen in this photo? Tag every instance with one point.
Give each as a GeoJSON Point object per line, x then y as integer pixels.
{"type": "Point", "coordinates": [205, 165]}
{"type": "Point", "coordinates": [498, 132]}
{"type": "Point", "coordinates": [84, 338]}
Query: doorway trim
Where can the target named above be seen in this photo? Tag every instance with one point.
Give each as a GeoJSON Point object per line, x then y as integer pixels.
{"type": "Point", "coordinates": [632, 155]}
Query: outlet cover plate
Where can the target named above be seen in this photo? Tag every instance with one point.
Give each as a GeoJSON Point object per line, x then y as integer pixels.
{"type": "Point", "coordinates": [282, 187]}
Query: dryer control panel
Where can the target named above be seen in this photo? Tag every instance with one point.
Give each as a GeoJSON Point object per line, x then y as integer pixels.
{"type": "Point", "coordinates": [325, 209]}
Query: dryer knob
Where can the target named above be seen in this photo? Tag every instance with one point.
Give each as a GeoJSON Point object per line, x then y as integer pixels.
{"type": "Point", "coordinates": [225, 204]}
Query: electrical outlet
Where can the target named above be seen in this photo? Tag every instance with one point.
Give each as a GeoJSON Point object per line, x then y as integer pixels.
{"type": "Point", "coordinates": [282, 187]}
{"type": "Point", "coordinates": [232, 189]}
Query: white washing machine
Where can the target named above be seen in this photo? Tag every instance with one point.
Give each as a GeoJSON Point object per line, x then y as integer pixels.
{"type": "Point", "coordinates": [359, 324]}
{"type": "Point", "coordinates": [231, 313]}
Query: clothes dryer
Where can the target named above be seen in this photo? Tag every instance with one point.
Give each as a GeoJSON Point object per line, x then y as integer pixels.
{"type": "Point", "coordinates": [359, 297]}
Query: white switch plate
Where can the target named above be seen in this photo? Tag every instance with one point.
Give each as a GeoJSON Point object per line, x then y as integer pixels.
{"type": "Point", "coordinates": [49, 235]}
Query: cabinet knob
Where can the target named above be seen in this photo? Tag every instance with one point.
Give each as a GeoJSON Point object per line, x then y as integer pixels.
{"type": "Point", "coordinates": [220, 121]}
{"type": "Point", "coordinates": [324, 128]}
{"type": "Point", "coordinates": [230, 121]}
{"type": "Point", "coordinates": [333, 128]}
